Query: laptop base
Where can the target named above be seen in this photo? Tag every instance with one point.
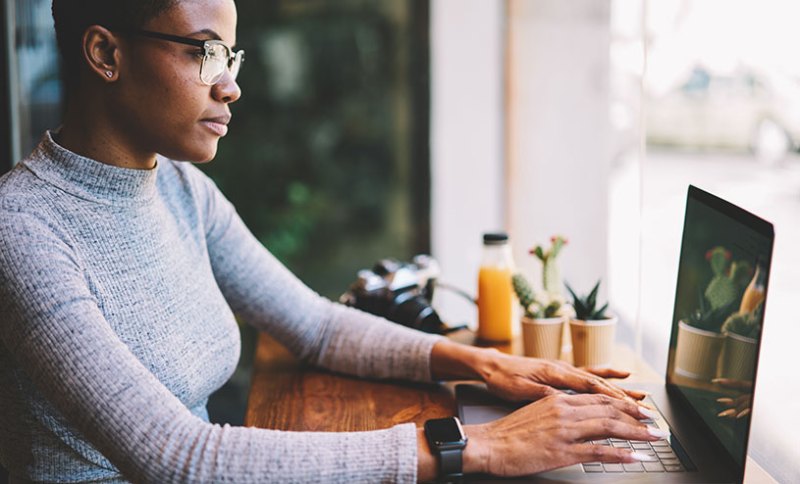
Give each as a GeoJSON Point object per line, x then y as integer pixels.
{"type": "Point", "coordinates": [476, 405]}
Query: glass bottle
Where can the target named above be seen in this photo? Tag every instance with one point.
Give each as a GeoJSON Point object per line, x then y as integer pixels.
{"type": "Point", "coordinates": [495, 290]}
{"type": "Point", "coordinates": [754, 294]}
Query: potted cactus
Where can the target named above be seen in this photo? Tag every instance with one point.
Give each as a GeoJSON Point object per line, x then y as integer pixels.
{"type": "Point", "coordinates": [543, 318]}
{"type": "Point", "coordinates": [542, 322]}
{"type": "Point", "coordinates": [700, 337]}
{"type": "Point", "coordinates": [729, 278]}
{"type": "Point", "coordinates": [592, 330]}
{"type": "Point", "coordinates": [741, 330]}
{"type": "Point", "coordinates": [551, 276]}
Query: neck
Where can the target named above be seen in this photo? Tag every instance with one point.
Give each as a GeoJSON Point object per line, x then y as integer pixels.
{"type": "Point", "coordinates": [89, 131]}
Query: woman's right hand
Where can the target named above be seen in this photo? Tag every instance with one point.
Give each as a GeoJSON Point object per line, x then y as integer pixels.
{"type": "Point", "coordinates": [554, 432]}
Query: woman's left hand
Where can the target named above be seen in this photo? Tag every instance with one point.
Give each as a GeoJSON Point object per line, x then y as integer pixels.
{"type": "Point", "coordinates": [519, 378]}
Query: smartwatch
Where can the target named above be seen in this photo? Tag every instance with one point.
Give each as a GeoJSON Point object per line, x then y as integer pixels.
{"type": "Point", "coordinates": [446, 439]}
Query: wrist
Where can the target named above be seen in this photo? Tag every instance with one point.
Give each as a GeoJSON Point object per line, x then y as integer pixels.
{"type": "Point", "coordinates": [427, 465]}
{"type": "Point", "coordinates": [476, 454]}
{"type": "Point", "coordinates": [487, 362]}
{"type": "Point", "coordinates": [446, 442]}
{"type": "Point", "coordinates": [450, 361]}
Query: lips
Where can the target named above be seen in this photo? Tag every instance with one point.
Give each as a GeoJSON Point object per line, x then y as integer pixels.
{"type": "Point", "coordinates": [217, 125]}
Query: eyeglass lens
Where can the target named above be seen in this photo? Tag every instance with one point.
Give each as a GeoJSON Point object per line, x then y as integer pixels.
{"type": "Point", "coordinates": [218, 58]}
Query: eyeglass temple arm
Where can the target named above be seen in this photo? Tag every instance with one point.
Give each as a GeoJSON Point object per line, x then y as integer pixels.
{"type": "Point", "coordinates": [171, 38]}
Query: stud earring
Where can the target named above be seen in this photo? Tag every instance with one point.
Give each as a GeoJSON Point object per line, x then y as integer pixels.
{"type": "Point", "coordinates": [109, 74]}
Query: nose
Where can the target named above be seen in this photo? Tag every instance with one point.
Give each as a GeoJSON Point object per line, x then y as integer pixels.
{"type": "Point", "coordinates": [226, 90]}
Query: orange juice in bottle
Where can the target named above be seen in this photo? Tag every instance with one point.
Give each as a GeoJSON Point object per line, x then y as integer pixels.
{"type": "Point", "coordinates": [495, 292]}
{"type": "Point", "coordinates": [754, 294]}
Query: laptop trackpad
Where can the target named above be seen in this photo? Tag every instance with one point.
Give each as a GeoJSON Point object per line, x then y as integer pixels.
{"type": "Point", "coordinates": [479, 414]}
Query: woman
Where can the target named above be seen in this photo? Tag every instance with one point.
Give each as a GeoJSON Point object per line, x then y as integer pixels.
{"type": "Point", "coordinates": [120, 271]}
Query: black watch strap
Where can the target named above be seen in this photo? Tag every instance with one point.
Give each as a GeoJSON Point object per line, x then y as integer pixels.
{"type": "Point", "coordinates": [447, 440]}
{"type": "Point", "coordinates": [450, 465]}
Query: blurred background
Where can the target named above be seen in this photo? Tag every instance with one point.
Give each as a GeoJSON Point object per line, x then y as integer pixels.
{"type": "Point", "coordinates": [387, 128]}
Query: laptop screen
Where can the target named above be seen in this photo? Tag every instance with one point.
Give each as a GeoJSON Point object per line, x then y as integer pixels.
{"type": "Point", "coordinates": [719, 310]}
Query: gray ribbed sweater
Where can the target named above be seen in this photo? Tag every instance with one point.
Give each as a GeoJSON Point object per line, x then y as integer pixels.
{"type": "Point", "coordinates": [117, 294]}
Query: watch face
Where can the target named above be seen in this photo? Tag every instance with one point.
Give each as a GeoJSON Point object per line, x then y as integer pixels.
{"type": "Point", "coordinates": [445, 431]}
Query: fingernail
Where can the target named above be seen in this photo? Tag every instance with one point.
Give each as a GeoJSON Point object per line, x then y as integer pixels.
{"type": "Point", "coordinates": [727, 413]}
{"type": "Point", "coordinates": [724, 400]}
{"type": "Point", "coordinates": [743, 413]}
{"type": "Point", "coordinates": [645, 405]}
{"type": "Point", "coordinates": [642, 457]}
{"type": "Point", "coordinates": [652, 414]}
{"type": "Point", "coordinates": [656, 432]}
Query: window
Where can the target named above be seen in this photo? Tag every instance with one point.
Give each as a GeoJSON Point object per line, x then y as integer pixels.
{"type": "Point", "coordinates": [606, 112]}
{"type": "Point", "coordinates": [327, 157]}
{"type": "Point", "coordinates": [716, 101]}
{"type": "Point", "coordinates": [33, 88]}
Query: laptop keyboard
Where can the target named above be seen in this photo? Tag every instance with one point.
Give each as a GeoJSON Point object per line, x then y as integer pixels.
{"type": "Point", "coordinates": [661, 450]}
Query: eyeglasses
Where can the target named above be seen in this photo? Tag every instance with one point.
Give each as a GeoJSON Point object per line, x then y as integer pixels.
{"type": "Point", "coordinates": [216, 55]}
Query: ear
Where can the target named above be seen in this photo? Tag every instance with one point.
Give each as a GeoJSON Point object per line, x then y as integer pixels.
{"type": "Point", "coordinates": [101, 52]}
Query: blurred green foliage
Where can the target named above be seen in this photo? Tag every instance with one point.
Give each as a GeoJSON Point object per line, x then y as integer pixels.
{"type": "Point", "coordinates": [326, 159]}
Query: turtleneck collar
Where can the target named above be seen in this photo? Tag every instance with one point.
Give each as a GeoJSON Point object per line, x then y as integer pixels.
{"type": "Point", "coordinates": [90, 179]}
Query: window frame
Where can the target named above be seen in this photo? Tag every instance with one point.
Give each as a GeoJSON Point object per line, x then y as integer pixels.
{"type": "Point", "coordinates": [9, 137]}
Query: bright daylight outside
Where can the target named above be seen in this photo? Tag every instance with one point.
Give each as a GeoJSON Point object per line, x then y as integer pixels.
{"type": "Point", "coordinates": [715, 88]}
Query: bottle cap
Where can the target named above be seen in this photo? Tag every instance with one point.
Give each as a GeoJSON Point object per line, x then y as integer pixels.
{"type": "Point", "coordinates": [495, 238]}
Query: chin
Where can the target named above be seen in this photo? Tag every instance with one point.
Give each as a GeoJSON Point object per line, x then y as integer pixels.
{"type": "Point", "coordinates": [205, 159]}
{"type": "Point", "coordinates": [194, 155]}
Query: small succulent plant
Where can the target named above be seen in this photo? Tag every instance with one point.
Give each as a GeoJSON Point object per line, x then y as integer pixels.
{"type": "Point", "coordinates": [586, 307]}
{"type": "Point", "coordinates": [708, 318]}
{"type": "Point", "coordinates": [723, 292]}
{"type": "Point", "coordinates": [532, 305]}
{"type": "Point", "coordinates": [745, 324]}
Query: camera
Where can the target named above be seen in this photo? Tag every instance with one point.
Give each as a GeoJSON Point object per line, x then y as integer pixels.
{"type": "Point", "coordinates": [400, 292]}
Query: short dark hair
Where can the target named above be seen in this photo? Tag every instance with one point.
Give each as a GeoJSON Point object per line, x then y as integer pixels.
{"type": "Point", "coordinates": [73, 17]}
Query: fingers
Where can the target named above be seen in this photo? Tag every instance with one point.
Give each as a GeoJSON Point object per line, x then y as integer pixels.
{"type": "Point", "coordinates": [735, 408]}
{"type": "Point", "coordinates": [602, 428]}
{"type": "Point", "coordinates": [612, 373]}
{"type": "Point", "coordinates": [627, 407]}
{"type": "Point", "coordinates": [548, 376]}
{"type": "Point", "coordinates": [606, 453]}
{"type": "Point", "coordinates": [589, 383]}
{"type": "Point", "coordinates": [589, 412]}
{"type": "Point", "coordinates": [590, 380]}
{"type": "Point", "coordinates": [734, 384]}
{"type": "Point", "coordinates": [607, 372]}
{"type": "Point", "coordinates": [740, 401]}
{"type": "Point", "coordinates": [563, 424]}
{"type": "Point", "coordinates": [635, 394]}
{"type": "Point", "coordinates": [536, 391]}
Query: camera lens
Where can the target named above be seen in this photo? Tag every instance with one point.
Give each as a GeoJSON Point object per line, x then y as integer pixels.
{"type": "Point", "coordinates": [413, 310]}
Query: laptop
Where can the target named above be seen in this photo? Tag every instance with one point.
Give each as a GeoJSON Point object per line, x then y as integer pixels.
{"type": "Point", "coordinates": [706, 402]}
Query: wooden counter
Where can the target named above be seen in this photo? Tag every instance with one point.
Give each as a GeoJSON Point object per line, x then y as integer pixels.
{"type": "Point", "coordinates": [285, 394]}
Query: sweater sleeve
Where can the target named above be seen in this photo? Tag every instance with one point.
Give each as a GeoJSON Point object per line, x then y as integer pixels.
{"type": "Point", "coordinates": [268, 296]}
{"type": "Point", "coordinates": [54, 330]}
